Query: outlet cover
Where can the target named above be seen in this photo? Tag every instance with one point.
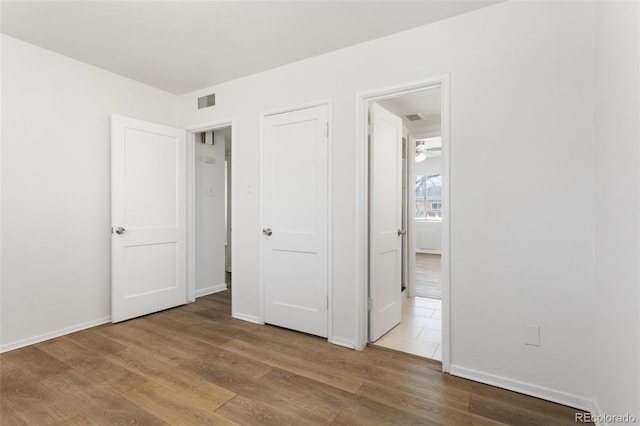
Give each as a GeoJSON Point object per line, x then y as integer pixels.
{"type": "Point", "coordinates": [531, 335]}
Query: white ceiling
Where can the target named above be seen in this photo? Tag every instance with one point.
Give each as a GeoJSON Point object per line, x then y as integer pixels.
{"type": "Point", "coordinates": [181, 46]}
{"type": "Point", "coordinates": [426, 102]}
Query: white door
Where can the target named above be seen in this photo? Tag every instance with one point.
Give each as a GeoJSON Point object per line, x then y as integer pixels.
{"type": "Point", "coordinates": [294, 219]}
{"type": "Point", "coordinates": [148, 214]}
{"type": "Point", "coordinates": [385, 221]}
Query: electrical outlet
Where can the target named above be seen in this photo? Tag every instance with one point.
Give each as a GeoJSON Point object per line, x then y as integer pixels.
{"type": "Point", "coordinates": [531, 334]}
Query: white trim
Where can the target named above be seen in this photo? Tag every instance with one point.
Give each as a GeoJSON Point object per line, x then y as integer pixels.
{"type": "Point", "coordinates": [597, 412]}
{"type": "Point", "coordinates": [445, 249]}
{"type": "Point", "coordinates": [52, 335]}
{"type": "Point", "coordinates": [342, 342]}
{"type": "Point", "coordinates": [564, 398]}
{"type": "Point", "coordinates": [244, 317]}
{"type": "Point", "coordinates": [362, 101]}
{"type": "Point", "coordinates": [328, 102]}
{"type": "Point", "coordinates": [261, 297]}
{"type": "Point", "coordinates": [191, 200]}
{"type": "Point", "coordinates": [298, 107]}
{"type": "Point", "coordinates": [212, 125]}
{"type": "Point", "coordinates": [191, 217]}
{"type": "Point", "coordinates": [411, 216]}
{"type": "Point", "coordinates": [211, 290]}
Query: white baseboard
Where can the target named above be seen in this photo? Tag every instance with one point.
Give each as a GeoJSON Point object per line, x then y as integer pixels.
{"type": "Point", "coordinates": [52, 335]}
{"type": "Point", "coordinates": [210, 290]}
{"type": "Point", "coordinates": [343, 342]}
{"type": "Point", "coordinates": [564, 398]}
{"type": "Point", "coordinates": [245, 317]}
{"type": "Point", "coordinates": [426, 251]}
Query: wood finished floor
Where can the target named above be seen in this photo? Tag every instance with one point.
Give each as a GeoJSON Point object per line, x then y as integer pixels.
{"type": "Point", "coordinates": [196, 365]}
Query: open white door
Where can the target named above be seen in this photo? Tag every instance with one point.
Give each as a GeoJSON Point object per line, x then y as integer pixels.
{"type": "Point", "coordinates": [385, 222]}
{"type": "Point", "coordinates": [148, 217]}
{"type": "Point", "coordinates": [294, 218]}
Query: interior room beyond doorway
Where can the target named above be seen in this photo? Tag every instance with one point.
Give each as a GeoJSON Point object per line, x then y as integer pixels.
{"type": "Point", "coordinates": [420, 329]}
{"type": "Point", "coordinates": [212, 210]}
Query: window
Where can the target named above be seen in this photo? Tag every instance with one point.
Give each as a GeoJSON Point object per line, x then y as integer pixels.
{"type": "Point", "coordinates": [429, 197]}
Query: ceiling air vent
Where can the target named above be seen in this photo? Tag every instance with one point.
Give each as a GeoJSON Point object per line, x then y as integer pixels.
{"type": "Point", "coordinates": [415, 116]}
{"type": "Point", "coordinates": [207, 101]}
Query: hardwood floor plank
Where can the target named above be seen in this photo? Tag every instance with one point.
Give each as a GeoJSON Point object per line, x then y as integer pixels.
{"type": "Point", "coordinates": [39, 363]}
{"type": "Point", "coordinates": [195, 364]}
{"type": "Point", "coordinates": [178, 338]}
{"type": "Point", "coordinates": [295, 365]}
{"type": "Point", "coordinates": [512, 415]}
{"type": "Point", "coordinates": [274, 392]}
{"type": "Point", "coordinates": [173, 407]}
{"type": "Point", "coordinates": [230, 377]}
{"type": "Point", "coordinates": [305, 393]}
{"type": "Point", "coordinates": [369, 412]}
{"type": "Point", "coordinates": [155, 347]}
{"type": "Point", "coordinates": [178, 381]}
{"type": "Point", "coordinates": [31, 401]}
{"type": "Point", "coordinates": [83, 360]}
{"type": "Point", "coordinates": [245, 411]}
{"type": "Point", "coordinates": [79, 420]}
{"type": "Point", "coordinates": [8, 416]}
{"type": "Point", "coordinates": [421, 406]}
{"type": "Point", "coordinates": [97, 343]}
{"type": "Point", "coordinates": [517, 400]}
{"type": "Point", "coordinates": [99, 404]}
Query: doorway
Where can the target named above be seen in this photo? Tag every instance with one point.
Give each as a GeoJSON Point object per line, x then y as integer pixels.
{"type": "Point", "coordinates": [212, 149]}
{"type": "Point", "coordinates": [423, 324]}
{"type": "Point", "coordinates": [209, 159]}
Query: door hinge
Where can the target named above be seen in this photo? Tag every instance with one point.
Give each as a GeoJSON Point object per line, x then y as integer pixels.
{"type": "Point", "coordinates": [369, 304]}
{"type": "Point", "coordinates": [327, 303]}
{"type": "Point", "coordinates": [370, 129]}
{"type": "Point", "coordinates": [326, 128]}
{"type": "Point", "coordinates": [112, 230]}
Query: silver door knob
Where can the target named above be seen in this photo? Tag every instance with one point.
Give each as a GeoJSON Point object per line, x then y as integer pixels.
{"type": "Point", "coordinates": [120, 230]}
{"type": "Point", "coordinates": [401, 231]}
{"type": "Point", "coordinates": [267, 231]}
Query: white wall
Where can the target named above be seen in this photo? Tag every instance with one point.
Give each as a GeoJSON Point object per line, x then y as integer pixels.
{"type": "Point", "coordinates": [521, 88]}
{"type": "Point", "coordinates": [56, 188]}
{"type": "Point", "coordinates": [617, 95]}
{"type": "Point", "coordinates": [210, 209]}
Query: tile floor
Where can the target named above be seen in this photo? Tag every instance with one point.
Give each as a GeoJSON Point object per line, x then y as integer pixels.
{"type": "Point", "coordinates": [420, 330]}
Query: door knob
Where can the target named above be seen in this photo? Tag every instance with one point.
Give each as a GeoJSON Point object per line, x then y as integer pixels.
{"type": "Point", "coordinates": [401, 231]}
{"type": "Point", "coordinates": [267, 231]}
{"type": "Point", "coordinates": [120, 230]}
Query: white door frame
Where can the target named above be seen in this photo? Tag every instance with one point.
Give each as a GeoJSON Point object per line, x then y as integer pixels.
{"type": "Point", "coordinates": [191, 199]}
{"type": "Point", "coordinates": [363, 99]}
{"type": "Point", "coordinates": [320, 102]}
